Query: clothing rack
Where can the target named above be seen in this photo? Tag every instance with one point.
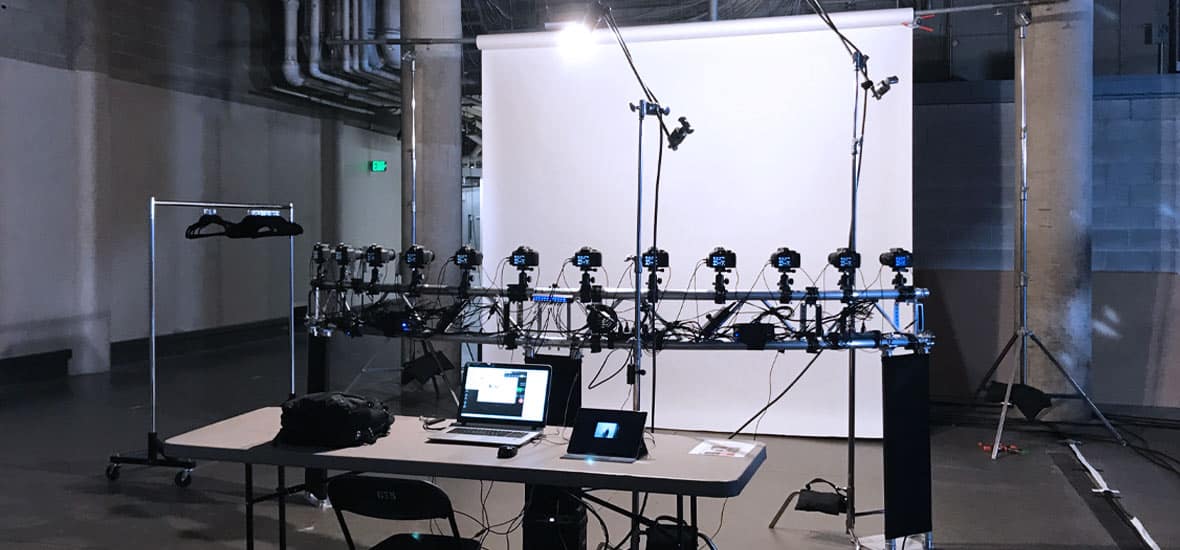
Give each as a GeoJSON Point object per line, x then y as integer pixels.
{"type": "Point", "coordinates": [154, 454]}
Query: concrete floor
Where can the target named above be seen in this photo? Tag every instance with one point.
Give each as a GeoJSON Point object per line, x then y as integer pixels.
{"type": "Point", "coordinates": [53, 493]}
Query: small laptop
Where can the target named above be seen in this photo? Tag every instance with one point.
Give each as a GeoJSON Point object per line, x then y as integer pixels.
{"type": "Point", "coordinates": [502, 404]}
{"type": "Point", "coordinates": [608, 435]}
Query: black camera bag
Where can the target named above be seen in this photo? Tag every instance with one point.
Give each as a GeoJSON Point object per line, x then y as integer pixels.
{"type": "Point", "coordinates": [333, 419]}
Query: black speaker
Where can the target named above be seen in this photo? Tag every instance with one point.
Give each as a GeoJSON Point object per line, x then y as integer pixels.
{"type": "Point", "coordinates": [565, 390]}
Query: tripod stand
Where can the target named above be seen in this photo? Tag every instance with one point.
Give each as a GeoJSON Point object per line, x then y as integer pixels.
{"type": "Point", "coordinates": [1023, 332]}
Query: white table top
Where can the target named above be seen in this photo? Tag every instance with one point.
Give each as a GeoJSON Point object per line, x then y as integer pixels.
{"type": "Point", "coordinates": [668, 468]}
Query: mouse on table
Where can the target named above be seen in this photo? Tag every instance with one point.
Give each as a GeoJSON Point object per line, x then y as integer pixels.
{"type": "Point", "coordinates": [506, 451]}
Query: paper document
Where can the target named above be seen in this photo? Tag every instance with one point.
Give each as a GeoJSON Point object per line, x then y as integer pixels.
{"type": "Point", "coordinates": [720, 447]}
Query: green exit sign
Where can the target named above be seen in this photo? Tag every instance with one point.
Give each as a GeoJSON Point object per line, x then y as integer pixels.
{"type": "Point", "coordinates": [378, 166]}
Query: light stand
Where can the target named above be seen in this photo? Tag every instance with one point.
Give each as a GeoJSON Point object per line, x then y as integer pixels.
{"type": "Point", "coordinates": [634, 370]}
{"type": "Point", "coordinates": [1023, 332]}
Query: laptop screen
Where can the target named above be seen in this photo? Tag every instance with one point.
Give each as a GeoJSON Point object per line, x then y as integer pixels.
{"type": "Point", "coordinates": [505, 393]}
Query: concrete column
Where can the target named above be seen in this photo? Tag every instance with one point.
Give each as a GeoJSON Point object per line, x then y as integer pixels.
{"type": "Point", "coordinates": [1060, 94]}
{"type": "Point", "coordinates": [431, 139]}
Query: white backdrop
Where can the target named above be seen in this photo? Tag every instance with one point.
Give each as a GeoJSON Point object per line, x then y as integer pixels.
{"type": "Point", "coordinates": [771, 101]}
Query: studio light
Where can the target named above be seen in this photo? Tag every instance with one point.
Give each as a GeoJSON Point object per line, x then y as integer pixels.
{"type": "Point", "coordinates": [575, 41]}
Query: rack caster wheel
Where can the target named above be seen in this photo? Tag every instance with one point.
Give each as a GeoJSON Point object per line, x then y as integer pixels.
{"type": "Point", "coordinates": [112, 472]}
{"type": "Point", "coordinates": [183, 478]}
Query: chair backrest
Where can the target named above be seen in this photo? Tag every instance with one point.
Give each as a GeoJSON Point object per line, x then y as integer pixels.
{"type": "Point", "coordinates": [390, 498]}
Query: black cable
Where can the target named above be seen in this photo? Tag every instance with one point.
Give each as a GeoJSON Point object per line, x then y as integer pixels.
{"type": "Point", "coordinates": [780, 395]}
{"type": "Point", "coordinates": [655, 224]}
{"type": "Point", "coordinates": [593, 385]}
{"type": "Point", "coordinates": [769, 394]}
{"type": "Point", "coordinates": [642, 508]}
{"type": "Point", "coordinates": [601, 523]}
{"type": "Point", "coordinates": [721, 522]}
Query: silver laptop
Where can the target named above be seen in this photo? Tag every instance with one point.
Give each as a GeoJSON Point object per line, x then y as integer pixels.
{"type": "Point", "coordinates": [502, 404]}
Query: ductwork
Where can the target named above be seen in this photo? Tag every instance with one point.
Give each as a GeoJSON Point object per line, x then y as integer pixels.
{"type": "Point", "coordinates": [293, 73]}
{"type": "Point", "coordinates": [391, 23]}
{"type": "Point", "coordinates": [359, 59]}
{"type": "Point", "coordinates": [371, 59]}
{"type": "Point", "coordinates": [315, 55]}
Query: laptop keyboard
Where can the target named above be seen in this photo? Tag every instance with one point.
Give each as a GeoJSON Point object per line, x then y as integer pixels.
{"type": "Point", "coordinates": [487, 432]}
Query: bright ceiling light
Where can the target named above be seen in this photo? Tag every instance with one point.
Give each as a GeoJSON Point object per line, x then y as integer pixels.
{"type": "Point", "coordinates": [574, 41]}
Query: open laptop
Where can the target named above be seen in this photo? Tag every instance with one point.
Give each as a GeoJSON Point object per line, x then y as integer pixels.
{"type": "Point", "coordinates": [502, 404]}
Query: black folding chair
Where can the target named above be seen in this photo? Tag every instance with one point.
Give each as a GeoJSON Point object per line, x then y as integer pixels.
{"type": "Point", "coordinates": [397, 499]}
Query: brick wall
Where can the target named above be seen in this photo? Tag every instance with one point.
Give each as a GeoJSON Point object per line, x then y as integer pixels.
{"type": "Point", "coordinates": [965, 176]}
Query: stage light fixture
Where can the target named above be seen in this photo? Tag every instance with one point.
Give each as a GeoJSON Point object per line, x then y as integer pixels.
{"type": "Point", "coordinates": [467, 257]}
{"type": "Point", "coordinates": [897, 259]}
{"type": "Point", "coordinates": [417, 257]}
{"type": "Point", "coordinates": [844, 258]}
{"type": "Point", "coordinates": [524, 258]}
{"type": "Point", "coordinates": [721, 259]}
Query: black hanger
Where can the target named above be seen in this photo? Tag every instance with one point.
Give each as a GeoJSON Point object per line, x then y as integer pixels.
{"type": "Point", "coordinates": [253, 227]}
{"type": "Point", "coordinates": [194, 231]}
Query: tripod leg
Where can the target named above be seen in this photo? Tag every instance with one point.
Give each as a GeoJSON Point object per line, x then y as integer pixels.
{"type": "Point", "coordinates": [1081, 392]}
{"type": "Point", "coordinates": [782, 509]}
{"type": "Point", "coordinates": [1004, 412]}
{"type": "Point", "coordinates": [996, 365]}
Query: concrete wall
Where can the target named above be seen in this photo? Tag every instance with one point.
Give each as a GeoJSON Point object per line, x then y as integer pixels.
{"type": "Point", "coordinates": [965, 211]}
{"type": "Point", "coordinates": [80, 153]}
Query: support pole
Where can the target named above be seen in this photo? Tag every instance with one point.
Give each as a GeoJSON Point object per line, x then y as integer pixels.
{"type": "Point", "coordinates": [1059, 91]}
{"type": "Point", "coordinates": [638, 359]}
{"type": "Point", "coordinates": [432, 178]}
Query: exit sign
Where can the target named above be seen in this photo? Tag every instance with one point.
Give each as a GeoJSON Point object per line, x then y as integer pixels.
{"type": "Point", "coordinates": [378, 166]}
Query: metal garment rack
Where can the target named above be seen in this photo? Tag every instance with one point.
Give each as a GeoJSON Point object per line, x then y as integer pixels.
{"type": "Point", "coordinates": [154, 454]}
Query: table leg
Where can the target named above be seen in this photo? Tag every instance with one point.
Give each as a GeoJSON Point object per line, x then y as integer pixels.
{"type": "Point", "coordinates": [635, 521]}
{"type": "Point", "coordinates": [282, 495]}
{"type": "Point", "coordinates": [249, 507]}
{"type": "Point", "coordinates": [318, 380]}
{"type": "Point", "coordinates": [692, 503]}
{"type": "Point", "coordinates": [680, 523]}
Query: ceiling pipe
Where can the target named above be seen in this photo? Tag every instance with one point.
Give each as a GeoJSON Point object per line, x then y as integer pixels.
{"type": "Point", "coordinates": [321, 101]}
{"type": "Point", "coordinates": [349, 20]}
{"type": "Point", "coordinates": [291, 71]}
{"type": "Point", "coordinates": [370, 64]}
{"type": "Point", "coordinates": [981, 7]}
{"type": "Point", "coordinates": [391, 22]}
{"type": "Point", "coordinates": [315, 54]}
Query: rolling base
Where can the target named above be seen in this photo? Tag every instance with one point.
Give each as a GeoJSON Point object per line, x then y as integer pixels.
{"type": "Point", "coordinates": [153, 456]}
